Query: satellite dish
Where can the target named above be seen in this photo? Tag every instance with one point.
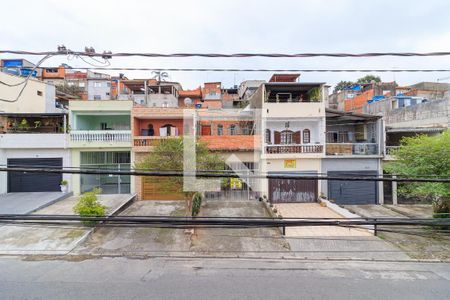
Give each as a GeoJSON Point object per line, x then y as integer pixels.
{"type": "Point", "coordinates": [188, 101]}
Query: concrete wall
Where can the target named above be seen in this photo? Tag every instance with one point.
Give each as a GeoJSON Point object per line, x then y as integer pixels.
{"type": "Point", "coordinates": [293, 110]}
{"type": "Point", "coordinates": [33, 153]}
{"type": "Point", "coordinates": [103, 90]}
{"type": "Point", "coordinates": [37, 97]}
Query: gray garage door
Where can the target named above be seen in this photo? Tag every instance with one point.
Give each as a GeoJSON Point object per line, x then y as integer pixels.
{"type": "Point", "coordinates": [353, 192]}
{"type": "Point", "coordinates": [34, 182]}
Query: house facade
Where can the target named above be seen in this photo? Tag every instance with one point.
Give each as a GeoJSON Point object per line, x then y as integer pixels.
{"type": "Point", "coordinates": [293, 124]}
{"type": "Point", "coordinates": [32, 134]}
{"type": "Point", "coordinates": [100, 138]}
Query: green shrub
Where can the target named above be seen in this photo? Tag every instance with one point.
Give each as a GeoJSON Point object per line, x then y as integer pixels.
{"type": "Point", "coordinates": [196, 203]}
{"type": "Point", "coordinates": [88, 206]}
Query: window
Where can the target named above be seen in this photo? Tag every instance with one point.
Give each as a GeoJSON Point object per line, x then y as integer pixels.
{"type": "Point", "coordinates": [267, 136]}
{"type": "Point", "coordinates": [286, 137]}
{"type": "Point", "coordinates": [306, 136]}
{"type": "Point", "coordinates": [97, 84]}
{"type": "Point", "coordinates": [81, 84]}
{"type": "Point", "coordinates": [220, 129]}
{"type": "Point", "coordinates": [97, 97]}
{"type": "Point", "coordinates": [108, 84]}
{"type": "Point", "coordinates": [233, 129]}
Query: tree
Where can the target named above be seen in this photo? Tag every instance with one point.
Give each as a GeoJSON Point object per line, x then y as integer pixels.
{"type": "Point", "coordinates": [341, 85]}
{"type": "Point", "coordinates": [167, 155]}
{"type": "Point", "coordinates": [369, 79]}
{"type": "Point", "coordinates": [424, 156]}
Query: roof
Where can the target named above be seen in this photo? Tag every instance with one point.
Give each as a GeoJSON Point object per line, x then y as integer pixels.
{"type": "Point", "coordinates": [348, 115]}
{"type": "Point", "coordinates": [190, 93]}
{"type": "Point", "coordinates": [230, 142]}
{"type": "Point", "coordinates": [284, 77]}
{"type": "Point", "coordinates": [417, 129]}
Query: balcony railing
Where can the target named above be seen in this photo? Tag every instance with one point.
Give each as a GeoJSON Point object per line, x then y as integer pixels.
{"type": "Point", "coordinates": [149, 141]}
{"type": "Point", "coordinates": [352, 149]}
{"type": "Point", "coordinates": [282, 149]}
{"type": "Point", "coordinates": [100, 135]}
{"type": "Point", "coordinates": [390, 149]}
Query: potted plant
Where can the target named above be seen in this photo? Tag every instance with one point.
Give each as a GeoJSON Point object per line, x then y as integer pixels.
{"type": "Point", "coordinates": [64, 186]}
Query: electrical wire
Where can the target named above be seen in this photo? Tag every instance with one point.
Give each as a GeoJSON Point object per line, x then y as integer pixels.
{"type": "Point", "coordinates": [24, 82]}
{"type": "Point", "coordinates": [217, 175]}
{"type": "Point", "coordinates": [247, 70]}
{"type": "Point", "coordinates": [233, 55]}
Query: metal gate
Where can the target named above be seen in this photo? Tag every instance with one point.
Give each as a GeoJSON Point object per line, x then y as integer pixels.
{"type": "Point", "coordinates": [34, 182]}
{"type": "Point", "coordinates": [353, 192]}
{"type": "Point", "coordinates": [293, 190]}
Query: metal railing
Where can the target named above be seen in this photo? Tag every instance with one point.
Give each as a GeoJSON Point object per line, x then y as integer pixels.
{"type": "Point", "coordinates": [295, 148]}
{"type": "Point", "coordinates": [352, 149]}
{"type": "Point", "coordinates": [390, 149]}
{"type": "Point", "coordinates": [100, 135]}
{"type": "Point", "coordinates": [149, 141]}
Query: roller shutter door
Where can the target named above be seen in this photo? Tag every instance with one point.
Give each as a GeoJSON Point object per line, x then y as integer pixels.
{"type": "Point", "coordinates": [34, 182]}
{"type": "Point", "coordinates": [353, 192]}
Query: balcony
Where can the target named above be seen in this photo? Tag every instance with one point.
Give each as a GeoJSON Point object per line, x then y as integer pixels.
{"type": "Point", "coordinates": [100, 138]}
{"type": "Point", "coordinates": [288, 149]}
{"type": "Point", "coordinates": [345, 149]}
{"type": "Point", "coordinates": [146, 143]}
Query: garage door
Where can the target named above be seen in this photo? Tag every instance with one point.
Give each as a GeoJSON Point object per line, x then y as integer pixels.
{"type": "Point", "coordinates": [160, 188]}
{"type": "Point", "coordinates": [353, 192]}
{"type": "Point", "coordinates": [292, 190]}
{"type": "Point", "coordinates": [34, 182]}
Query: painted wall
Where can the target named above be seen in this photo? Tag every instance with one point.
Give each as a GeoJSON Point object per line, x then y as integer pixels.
{"type": "Point", "coordinates": [33, 153]}
{"type": "Point", "coordinates": [143, 124]}
{"type": "Point", "coordinates": [37, 97]}
{"type": "Point", "coordinates": [93, 122]}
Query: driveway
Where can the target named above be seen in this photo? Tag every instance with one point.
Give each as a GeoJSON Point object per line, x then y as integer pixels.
{"type": "Point", "coordinates": [53, 239]}
{"type": "Point", "coordinates": [245, 242]}
{"type": "Point", "coordinates": [417, 242]}
{"type": "Point", "coordinates": [25, 203]}
{"type": "Point", "coordinates": [137, 241]}
{"type": "Point", "coordinates": [323, 242]}
{"type": "Point", "coordinates": [314, 210]}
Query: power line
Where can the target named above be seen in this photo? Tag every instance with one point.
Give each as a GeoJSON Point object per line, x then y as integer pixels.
{"type": "Point", "coordinates": [217, 175]}
{"type": "Point", "coordinates": [246, 70]}
{"type": "Point", "coordinates": [233, 55]}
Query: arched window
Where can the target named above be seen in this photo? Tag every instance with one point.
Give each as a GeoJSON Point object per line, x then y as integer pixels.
{"type": "Point", "coordinates": [268, 136]}
{"type": "Point", "coordinates": [220, 129]}
{"type": "Point", "coordinates": [306, 136]}
{"type": "Point", "coordinates": [233, 129]}
{"type": "Point", "coordinates": [286, 137]}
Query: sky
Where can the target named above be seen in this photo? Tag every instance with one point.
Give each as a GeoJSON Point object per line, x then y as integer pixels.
{"type": "Point", "coordinates": [236, 26]}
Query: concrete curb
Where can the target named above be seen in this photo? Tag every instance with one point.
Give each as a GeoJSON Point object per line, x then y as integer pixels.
{"type": "Point", "coordinates": [272, 214]}
{"type": "Point", "coordinates": [345, 213]}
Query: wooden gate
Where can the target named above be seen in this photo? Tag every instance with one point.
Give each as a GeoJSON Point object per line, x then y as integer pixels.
{"type": "Point", "coordinates": [159, 188]}
{"type": "Point", "coordinates": [293, 190]}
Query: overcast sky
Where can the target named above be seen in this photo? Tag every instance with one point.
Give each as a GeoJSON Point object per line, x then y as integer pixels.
{"type": "Point", "coordinates": [236, 26]}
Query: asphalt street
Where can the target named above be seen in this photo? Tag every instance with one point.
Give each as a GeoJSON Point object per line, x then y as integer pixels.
{"type": "Point", "coordinates": [212, 278]}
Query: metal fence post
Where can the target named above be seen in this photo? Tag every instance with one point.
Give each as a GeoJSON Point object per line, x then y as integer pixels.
{"type": "Point", "coordinates": [375, 231]}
